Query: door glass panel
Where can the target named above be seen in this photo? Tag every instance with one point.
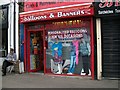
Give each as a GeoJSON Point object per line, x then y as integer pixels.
{"type": "Point", "coordinates": [34, 50]}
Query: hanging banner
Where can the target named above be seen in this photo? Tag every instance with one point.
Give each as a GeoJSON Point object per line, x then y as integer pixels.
{"type": "Point", "coordinates": [55, 14]}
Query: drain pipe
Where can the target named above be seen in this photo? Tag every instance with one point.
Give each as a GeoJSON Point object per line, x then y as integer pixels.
{"type": "Point", "coordinates": [14, 27]}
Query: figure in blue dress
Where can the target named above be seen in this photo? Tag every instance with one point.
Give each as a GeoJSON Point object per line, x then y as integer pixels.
{"type": "Point", "coordinates": [57, 54]}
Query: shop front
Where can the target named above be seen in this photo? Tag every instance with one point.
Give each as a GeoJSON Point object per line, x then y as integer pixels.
{"type": "Point", "coordinates": [59, 41]}
{"type": "Point", "coordinates": [108, 26]}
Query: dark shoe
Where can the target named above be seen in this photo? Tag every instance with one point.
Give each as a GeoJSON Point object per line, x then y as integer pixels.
{"type": "Point", "coordinates": [83, 72]}
{"type": "Point", "coordinates": [86, 73]}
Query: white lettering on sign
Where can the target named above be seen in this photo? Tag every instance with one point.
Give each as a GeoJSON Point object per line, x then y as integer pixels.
{"type": "Point", "coordinates": [79, 12]}
{"type": "Point", "coordinates": [106, 12]}
{"type": "Point", "coordinates": [67, 34]}
{"type": "Point", "coordinates": [31, 18]}
{"type": "Point", "coordinates": [56, 15]}
{"type": "Point", "coordinates": [109, 3]}
{"type": "Point", "coordinates": [51, 15]}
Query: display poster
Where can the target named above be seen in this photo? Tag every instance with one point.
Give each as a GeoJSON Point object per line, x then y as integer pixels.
{"type": "Point", "coordinates": [69, 51]}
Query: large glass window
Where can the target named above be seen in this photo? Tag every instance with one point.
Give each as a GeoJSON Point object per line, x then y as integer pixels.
{"type": "Point", "coordinates": [3, 43]}
{"type": "Point", "coordinates": [69, 48]}
{"type": "Point", "coordinates": [3, 30]}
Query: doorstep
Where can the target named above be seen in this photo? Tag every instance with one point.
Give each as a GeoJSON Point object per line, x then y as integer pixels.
{"type": "Point", "coordinates": [63, 75]}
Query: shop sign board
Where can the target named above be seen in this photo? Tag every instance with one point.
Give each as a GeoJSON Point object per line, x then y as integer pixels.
{"type": "Point", "coordinates": [107, 8]}
{"type": "Point", "coordinates": [30, 5]}
{"type": "Point", "coordinates": [55, 14]}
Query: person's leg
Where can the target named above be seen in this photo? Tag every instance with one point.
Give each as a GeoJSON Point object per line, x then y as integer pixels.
{"type": "Point", "coordinates": [52, 65]}
{"type": "Point", "coordinates": [4, 66]}
{"type": "Point", "coordinates": [89, 64]}
{"type": "Point", "coordinates": [80, 64]}
{"type": "Point", "coordinates": [85, 65]}
{"type": "Point", "coordinates": [71, 64]}
{"type": "Point", "coordinates": [74, 63]}
{"type": "Point", "coordinates": [59, 65]}
{"type": "Point", "coordinates": [59, 68]}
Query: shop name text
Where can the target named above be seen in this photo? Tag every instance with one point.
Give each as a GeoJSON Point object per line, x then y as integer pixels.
{"type": "Point", "coordinates": [109, 3]}
{"type": "Point", "coordinates": [54, 15]}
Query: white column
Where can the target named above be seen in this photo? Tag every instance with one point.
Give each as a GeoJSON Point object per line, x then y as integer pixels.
{"type": "Point", "coordinates": [11, 26]}
{"type": "Point", "coordinates": [16, 28]}
{"type": "Point", "coordinates": [99, 49]}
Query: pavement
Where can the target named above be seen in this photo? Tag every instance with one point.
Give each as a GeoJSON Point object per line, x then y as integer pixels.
{"type": "Point", "coordinates": [39, 80]}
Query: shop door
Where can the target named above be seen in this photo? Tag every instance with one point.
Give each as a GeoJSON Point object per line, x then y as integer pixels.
{"type": "Point", "coordinates": [35, 51]}
{"type": "Point", "coordinates": [111, 43]}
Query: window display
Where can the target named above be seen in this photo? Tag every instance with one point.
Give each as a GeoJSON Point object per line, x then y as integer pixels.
{"type": "Point", "coordinates": [68, 49]}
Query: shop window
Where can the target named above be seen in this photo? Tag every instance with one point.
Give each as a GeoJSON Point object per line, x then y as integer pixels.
{"type": "Point", "coordinates": [3, 43]}
{"type": "Point", "coordinates": [69, 48]}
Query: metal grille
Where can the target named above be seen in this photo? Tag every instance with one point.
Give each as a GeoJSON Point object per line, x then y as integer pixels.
{"type": "Point", "coordinates": [111, 47]}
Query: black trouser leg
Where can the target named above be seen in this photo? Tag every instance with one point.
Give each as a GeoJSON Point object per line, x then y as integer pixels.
{"type": "Point", "coordinates": [5, 65]}
{"type": "Point", "coordinates": [85, 64]}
